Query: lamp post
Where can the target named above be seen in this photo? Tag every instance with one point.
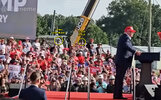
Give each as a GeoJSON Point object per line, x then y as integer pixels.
{"type": "Point", "coordinates": [53, 22]}
{"type": "Point", "coordinates": [150, 26]}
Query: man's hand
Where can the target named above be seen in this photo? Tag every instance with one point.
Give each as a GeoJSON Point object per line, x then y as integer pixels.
{"type": "Point", "coordinates": [138, 53]}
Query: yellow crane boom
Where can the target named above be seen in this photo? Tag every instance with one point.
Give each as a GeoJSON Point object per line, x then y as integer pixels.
{"type": "Point", "coordinates": [84, 20]}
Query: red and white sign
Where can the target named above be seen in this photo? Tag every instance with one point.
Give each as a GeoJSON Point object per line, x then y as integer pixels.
{"type": "Point", "coordinates": [14, 70]}
{"type": "Point", "coordinates": [94, 70]}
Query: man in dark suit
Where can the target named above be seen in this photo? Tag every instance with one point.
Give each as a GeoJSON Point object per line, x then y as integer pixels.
{"type": "Point", "coordinates": [33, 92]}
{"type": "Point", "coordinates": [123, 61]}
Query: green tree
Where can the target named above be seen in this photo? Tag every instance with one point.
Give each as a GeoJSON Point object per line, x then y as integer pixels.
{"type": "Point", "coordinates": [93, 31]}
{"type": "Point", "coordinates": [68, 25]}
{"type": "Point", "coordinates": [43, 24]}
{"type": "Point", "coordinates": [122, 13]}
{"type": "Point", "coordinates": [39, 29]}
{"type": "Point", "coordinates": [156, 25]}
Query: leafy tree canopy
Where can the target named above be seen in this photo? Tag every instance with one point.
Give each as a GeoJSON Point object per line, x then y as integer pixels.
{"type": "Point", "coordinates": [122, 13]}
{"type": "Point", "coordinates": [68, 24]}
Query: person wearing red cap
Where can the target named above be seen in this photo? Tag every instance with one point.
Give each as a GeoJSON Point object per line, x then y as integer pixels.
{"type": "Point", "coordinates": [123, 60]}
{"type": "Point", "coordinates": [159, 34]}
{"type": "Point", "coordinates": [91, 42]}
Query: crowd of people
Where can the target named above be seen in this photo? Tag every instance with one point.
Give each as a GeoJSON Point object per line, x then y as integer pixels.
{"type": "Point", "coordinates": [54, 64]}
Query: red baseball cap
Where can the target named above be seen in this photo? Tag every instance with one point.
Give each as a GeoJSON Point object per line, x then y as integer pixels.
{"type": "Point", "coordinates": [130, 29]}
{"type": "Point", "coordinates": [159, 34]}
{"type": "Point", "coordinates": [91, 39]}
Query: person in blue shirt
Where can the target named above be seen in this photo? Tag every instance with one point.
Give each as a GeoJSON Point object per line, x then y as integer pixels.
{"type": "Point", "coordinates": [101, 85]}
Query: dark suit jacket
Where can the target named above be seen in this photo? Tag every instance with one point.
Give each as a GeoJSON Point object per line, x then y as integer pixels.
{"type": "Point", "coordinates": [125, 51]}
{"type": "Point", "coordinates": [32, 93]}
{"type": "Point", "coordinates": [99, 50]}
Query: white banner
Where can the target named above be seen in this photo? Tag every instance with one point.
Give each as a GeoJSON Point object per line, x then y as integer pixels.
{"type": "Point", "coordinates": [14, 70]}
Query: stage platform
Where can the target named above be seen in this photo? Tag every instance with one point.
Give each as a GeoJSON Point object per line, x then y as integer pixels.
{"type": "Point", "coordinates": [82, 96]}
{"type": "Point", "coordinates": [79, 96]}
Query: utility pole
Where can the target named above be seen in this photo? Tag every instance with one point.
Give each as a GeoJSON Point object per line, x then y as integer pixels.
{"type": "Point", "coordinates": [53, 22]}
{"type": "Point", "coordinates": [150, 25]}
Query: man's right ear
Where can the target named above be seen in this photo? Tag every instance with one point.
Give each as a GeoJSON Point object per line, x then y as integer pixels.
{"type": "Point", "coordinates": [38, 81]}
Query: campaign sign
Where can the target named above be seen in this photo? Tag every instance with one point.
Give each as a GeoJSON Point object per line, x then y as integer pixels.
{"type": "Point", "coordinates": [18, 18]}
{"type": "Point", "coordinates": [14, 70]}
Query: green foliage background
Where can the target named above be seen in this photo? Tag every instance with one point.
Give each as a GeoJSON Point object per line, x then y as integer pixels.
{"type": "Point", "coordinates": [107, 29]}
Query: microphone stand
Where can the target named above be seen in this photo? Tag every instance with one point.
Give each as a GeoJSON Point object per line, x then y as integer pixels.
{"type": "Point", "coordinates": [89, 80]}
{"type": "Point", "coordinates": [69, 83]}
{"type": "Point", "coordinates": [23, 77]}
{"type": "Point", "coordinates": [26, 76]}
{"type": "Point", "coordinates": [134, 83]}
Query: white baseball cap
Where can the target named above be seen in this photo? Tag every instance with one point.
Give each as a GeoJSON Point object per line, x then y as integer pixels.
{"type": "Point", "coordinates": [112, 77]}
{"type": "Point", "coordinates": [11, 37]}
{"type": "Point", "coordinates": [85, 79]}
{"type": "Point", "coordinates": [100, 76]}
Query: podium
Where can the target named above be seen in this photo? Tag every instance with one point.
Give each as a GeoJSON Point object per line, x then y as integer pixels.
{"type": "Point", "coordinates": [146, 60]}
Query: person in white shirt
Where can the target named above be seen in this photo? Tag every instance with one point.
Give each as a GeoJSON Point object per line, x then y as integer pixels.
{"type": "Point", "coordinates": [27, 44]}
{"type": "Point", "coordinates": [3, 46]}
{"type": "Point", "coordinates": [36, 44]}
{"type": "Point", "coordinates": [7, 58]}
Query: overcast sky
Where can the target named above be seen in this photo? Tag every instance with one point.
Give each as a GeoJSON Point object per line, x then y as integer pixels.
{"type": "Point", "coordinates": [73, 7]}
